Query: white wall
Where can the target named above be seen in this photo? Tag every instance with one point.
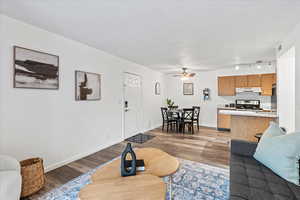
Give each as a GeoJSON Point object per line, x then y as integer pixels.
{"type": "Point", "coordinates": [293, 40]}
{"type": "Point", "coordinates": [1, 64]}
{"type": "Point", "coordinates": [208, 114]}
{"type": "Point", "coordinates": [50, 123]}
{"type": "Point", "coordinates": [286, 90]}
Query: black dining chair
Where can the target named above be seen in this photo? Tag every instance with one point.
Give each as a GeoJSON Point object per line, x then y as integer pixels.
{"type": "Point", "coordinates": [168, 119]}
{"type": "Point", "coordinates": [196, 115]}
{"type": "Point", "coordinates": [175, 114]}
{"type": "Point", "coordinates": [173, 107]}
{"type": "Point", "coordinates": [188, 119]}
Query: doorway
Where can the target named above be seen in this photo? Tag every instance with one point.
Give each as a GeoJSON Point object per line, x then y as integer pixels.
{"type": "Point", "coordinates": [132, 84]}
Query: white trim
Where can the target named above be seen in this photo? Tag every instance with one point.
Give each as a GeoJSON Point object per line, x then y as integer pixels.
{"type": "Point", "coordinates": [79, 156]}
{"type": "Point", "coordinates": [153, 127]}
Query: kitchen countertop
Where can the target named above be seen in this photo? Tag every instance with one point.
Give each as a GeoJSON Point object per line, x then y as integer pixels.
{"type": "Point", "coordinates": [250, 113]}
{"type": "Point", "coordinates": [226, 108]}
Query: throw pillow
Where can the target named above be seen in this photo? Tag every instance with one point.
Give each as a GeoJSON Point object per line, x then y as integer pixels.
{"type": "Point", "coordinates": [280, 153]}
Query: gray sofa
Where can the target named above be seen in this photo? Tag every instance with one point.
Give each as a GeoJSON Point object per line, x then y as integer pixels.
{"type": "Point", "coordinates": [251, 180]}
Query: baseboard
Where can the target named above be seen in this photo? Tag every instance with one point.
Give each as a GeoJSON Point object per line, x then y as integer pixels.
{"type": "Point", "coordinates": [153, 127]}
{"type": "Point", "coordinates": [159, 125]}
{"type": "Point", "coordinates": [212, 127]}
{"type": "Point", "coordinates": [223, 129]}
{"type": "Point", "coordinates": [208, 126]}
{"type": "Point", "coordinates": [79, 156]}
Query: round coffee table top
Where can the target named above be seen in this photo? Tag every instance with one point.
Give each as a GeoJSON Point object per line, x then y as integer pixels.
{"type": "Point", "coordinates": [157, 162]}
{"type": "Point", "coordinates": [146, 187]}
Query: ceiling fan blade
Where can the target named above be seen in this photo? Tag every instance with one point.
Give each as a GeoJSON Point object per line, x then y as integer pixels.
{"type": "Point", "coordinates": [177, 75]}
{"type": "Point", "coordinates": [191, 74]}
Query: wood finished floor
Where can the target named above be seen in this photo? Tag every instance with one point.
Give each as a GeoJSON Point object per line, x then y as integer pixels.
{"type": "Point", "coordinates": [206, 146]}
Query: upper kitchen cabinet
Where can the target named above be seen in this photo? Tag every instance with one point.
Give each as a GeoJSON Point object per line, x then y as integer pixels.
{"type": "Point", "coordinates": [241, 81]}
{"type": "Point", "coordinates": [254, 80]}
{"type": "Point", "coordinates": [226, 86]}
{"type": "Point", "coordinates": [267, 80]}
{"type": "Point", "coordinates": [247, 81]}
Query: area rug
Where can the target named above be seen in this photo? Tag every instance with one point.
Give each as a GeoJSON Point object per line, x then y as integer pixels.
{"type": "Point", "coordinates": [192, 181]}
{"type": "Point", "coordinates": [140, 138]}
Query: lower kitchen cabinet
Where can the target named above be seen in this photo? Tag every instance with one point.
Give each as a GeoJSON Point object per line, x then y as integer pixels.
{"type": "Point", "coordinates": [224, 122]}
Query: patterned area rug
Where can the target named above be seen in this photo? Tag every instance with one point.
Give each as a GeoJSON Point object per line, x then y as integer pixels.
{"type": "Point", "coordinates": [192, 181]}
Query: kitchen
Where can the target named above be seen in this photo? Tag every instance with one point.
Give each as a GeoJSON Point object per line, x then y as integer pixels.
{"type": "Point", "coordinates": [247, 117]}
{"type": "Point", "coordinates": [225, 86]}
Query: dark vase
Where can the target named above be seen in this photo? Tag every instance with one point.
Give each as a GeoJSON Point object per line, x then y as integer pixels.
{"type": "Point", "coordinates": [124, 170]}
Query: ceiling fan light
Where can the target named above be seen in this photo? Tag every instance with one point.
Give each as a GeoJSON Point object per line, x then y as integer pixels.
{"type": "Point", "coordinates": [184, 78]}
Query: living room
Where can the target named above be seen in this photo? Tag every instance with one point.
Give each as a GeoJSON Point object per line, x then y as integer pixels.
{"type": "Point", "coordinates": [74, 130]}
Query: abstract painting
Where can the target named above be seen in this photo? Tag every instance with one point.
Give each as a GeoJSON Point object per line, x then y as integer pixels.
{"type": "Point", "coordinates": [87, 86]}
{"type": "Point", "coordinates": [35, 69]}
{"type": "Point", "coordinates": [188, 89]}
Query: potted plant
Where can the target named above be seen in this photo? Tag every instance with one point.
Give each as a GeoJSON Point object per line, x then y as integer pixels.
{"type": "Point", "coordinates": [170, 103]}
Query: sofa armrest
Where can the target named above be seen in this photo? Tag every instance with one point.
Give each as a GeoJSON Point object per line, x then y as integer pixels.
{"type": "Point", "coordinates": [243, 148]}
{"type": "Point", "coordinates": [9, 164]}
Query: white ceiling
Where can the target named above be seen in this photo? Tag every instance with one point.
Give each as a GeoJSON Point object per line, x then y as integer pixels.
{"type": "Point", "coordinates": [167, 34]}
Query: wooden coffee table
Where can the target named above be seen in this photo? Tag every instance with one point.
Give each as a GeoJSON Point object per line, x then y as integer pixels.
{"type": "Point", "coordinates": [157, 162]}
{"type": "Point", "coordinates": [108, 183]}
{"type": "Point", "coordinates": [146, 187]}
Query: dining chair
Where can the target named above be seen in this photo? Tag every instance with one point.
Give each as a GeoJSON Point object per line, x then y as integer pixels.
{"type": "Point", "coordinates": [174, 114]}
{"type": "Point", "coordinates": [196, 115]}
{"type": "Point", "coordinates": [188, 119]}
{"type": "Point", "coordinates": [168, 119]}
{"type": "Point", "coordinates": [173, 107]}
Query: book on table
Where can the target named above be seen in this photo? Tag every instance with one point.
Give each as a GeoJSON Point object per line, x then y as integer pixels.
{"type": "Point", "coordinates": [140, 165]}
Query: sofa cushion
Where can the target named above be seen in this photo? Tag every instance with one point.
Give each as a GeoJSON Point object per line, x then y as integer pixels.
{"type": "Point", "coordinates": [251, 180]}
{"type": "Point", "coordinates": [281, 155]}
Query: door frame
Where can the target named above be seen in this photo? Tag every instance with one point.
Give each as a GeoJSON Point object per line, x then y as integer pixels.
{"type": "Point", "coordinates": [288, 57]}
{"type": "Point", "coordinates": [140, 129]}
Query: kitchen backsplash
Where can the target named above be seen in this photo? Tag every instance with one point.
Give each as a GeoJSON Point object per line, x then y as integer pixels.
{"type": "Point", "coordinates": [265, 101]}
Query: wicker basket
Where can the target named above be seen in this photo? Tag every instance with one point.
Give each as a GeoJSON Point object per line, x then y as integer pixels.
{"type": "Point", "coordinates": [33, 178]}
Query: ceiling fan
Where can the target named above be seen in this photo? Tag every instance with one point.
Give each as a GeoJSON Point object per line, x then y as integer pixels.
{"type": "Point", "coordinates": [184, 74]}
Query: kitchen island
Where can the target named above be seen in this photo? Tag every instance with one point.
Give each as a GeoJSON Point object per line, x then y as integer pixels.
{"type": "Point", "coordinates": [245, 124]}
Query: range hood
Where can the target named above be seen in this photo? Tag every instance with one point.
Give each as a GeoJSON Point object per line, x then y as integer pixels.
{"type": "Point", "coordinates": [251, 90]}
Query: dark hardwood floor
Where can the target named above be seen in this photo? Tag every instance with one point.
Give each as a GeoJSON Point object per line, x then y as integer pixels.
{"type": "Point", "coordinates": [206, 146]}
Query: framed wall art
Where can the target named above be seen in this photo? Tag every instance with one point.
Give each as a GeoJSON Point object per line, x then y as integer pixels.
{"type": "Point", "coordinates": [34, 69]}
{"type": "Point", "coordinates": [188, 89]}
{"type": "Point", "coordinates": [87, 86]}
{"type": "Point", "coordinates": [157, 88]}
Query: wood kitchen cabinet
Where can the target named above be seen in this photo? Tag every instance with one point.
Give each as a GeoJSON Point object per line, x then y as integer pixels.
{"type": "Point", "coordinates": [224, 122]}
{"type": "Point", "coordinates": [246, 127]}
{"type": "Point", "coordinates": [274, 79]}
{"type": "Point", "coordinates": [248, 81]}
{"type": "Point", "coordinates": [241, 81]}
{"type": "Point", "coordinates": [254, 80]}
{"type": "Point", "coordinates": [267, 80]}
{"type": "Point", "coordinates": [226, 86]}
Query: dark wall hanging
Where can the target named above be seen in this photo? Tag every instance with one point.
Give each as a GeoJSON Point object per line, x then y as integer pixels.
{"type": "Point", "coordinates": [206, 94]}
{"type": "Point", "coordinates": [87, 86]}
{"type": "Point", "coordinates": [35, 69]}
